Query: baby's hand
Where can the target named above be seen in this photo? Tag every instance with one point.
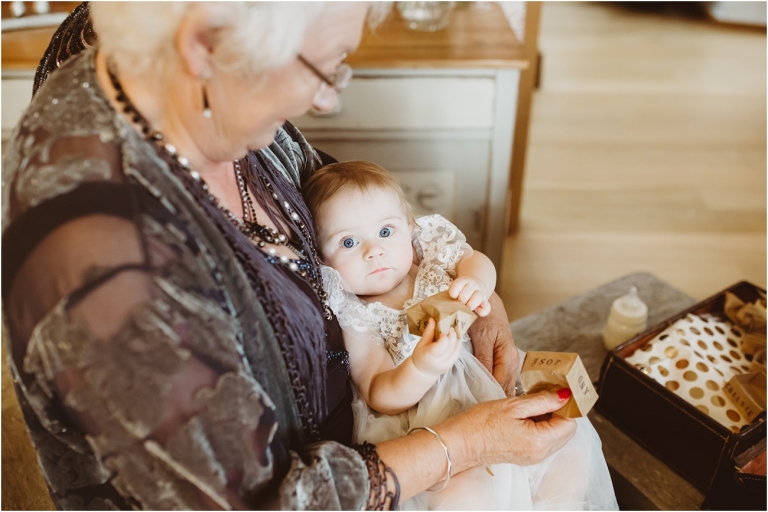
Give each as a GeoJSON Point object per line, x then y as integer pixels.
{"type": "Point", "coordinates": [436, 357]}
{"type": "Point", "coordinates": [470, 292]}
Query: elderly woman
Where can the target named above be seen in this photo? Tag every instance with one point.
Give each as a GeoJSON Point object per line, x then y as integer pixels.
{"type": "Point", "coordinates": [169, 334]}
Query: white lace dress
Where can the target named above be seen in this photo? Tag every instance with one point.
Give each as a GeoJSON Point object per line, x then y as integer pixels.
{"type": "Point", "coordinates": [579, 480]}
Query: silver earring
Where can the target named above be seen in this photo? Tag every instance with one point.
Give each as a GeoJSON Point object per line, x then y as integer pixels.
{"type": "Point", "coordinates": [206, 107]}
{"type": "Point", "coordinates": [205, 75]}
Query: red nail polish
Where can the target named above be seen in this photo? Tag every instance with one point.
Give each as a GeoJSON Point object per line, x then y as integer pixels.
{"type": "Point", "coordinates": [563, 394]}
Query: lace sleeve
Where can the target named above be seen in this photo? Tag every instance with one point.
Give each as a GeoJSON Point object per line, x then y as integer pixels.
{"type": "Point", "coordinates": [372, 321]}
{"type": "Point", "coordinates": [442, 243]}
{"type": "Point", "coordinates": [352, 313]}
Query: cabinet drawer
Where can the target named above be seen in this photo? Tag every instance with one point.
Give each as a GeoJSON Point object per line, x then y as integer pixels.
{"type": "Point", "coordinates": [418, 103]}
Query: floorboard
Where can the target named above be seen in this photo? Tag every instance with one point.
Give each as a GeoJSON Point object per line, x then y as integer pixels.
{"type": "Point", "coordinates": [647, 152]}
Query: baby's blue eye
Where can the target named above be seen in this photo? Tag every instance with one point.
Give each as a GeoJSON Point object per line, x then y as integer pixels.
{"type": "Point", "coordinates": [349, 243]}
{"type": "Point", "coordinates": [385, 232]}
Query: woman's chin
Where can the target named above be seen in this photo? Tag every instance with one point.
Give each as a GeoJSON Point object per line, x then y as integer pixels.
{"type": "Point", "coordinates": [266, 138]}
{"type": "Point", "coordinates": [261, 143]}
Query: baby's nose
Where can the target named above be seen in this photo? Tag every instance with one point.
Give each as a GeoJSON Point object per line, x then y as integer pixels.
{"type": "Point", "coordinates": [373, 250]}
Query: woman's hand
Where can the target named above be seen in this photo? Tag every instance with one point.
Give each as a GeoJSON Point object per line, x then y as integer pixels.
{"type": "Point", "coordinates": [435, 357]}
{"type": "Point", "coordinates": [470, 292]}
{"type": "Point", "coordinates": [494, 346]}
{"type": "Point", "coordinates": [499, 431]}
{"type": "Point", "coordinates": [504, 431]}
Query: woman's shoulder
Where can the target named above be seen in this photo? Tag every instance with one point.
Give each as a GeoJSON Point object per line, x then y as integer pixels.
{"type": "Point", "coordinates": [67, 136]}
{"type": "Point", "coordinates": [70, 103]}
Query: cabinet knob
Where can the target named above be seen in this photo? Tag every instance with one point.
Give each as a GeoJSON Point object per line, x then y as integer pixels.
{"type": "Point", "coordinates": [18, 9]}
{"type": "Point", "coordinates": [424, 199]}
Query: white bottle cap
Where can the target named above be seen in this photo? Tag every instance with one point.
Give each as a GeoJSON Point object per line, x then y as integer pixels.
{"type": "Point", "coordinates": [630, 308]}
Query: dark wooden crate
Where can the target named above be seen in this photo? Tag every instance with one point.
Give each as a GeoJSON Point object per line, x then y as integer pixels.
{"type": "Point", "coordinates": [689, 441]}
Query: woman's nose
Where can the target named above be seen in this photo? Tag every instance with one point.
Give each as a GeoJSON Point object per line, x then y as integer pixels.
{"type": "Point", "coordinates": [325, 99]}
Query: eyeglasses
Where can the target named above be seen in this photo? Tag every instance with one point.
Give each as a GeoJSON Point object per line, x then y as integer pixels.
{"type": "Point", "coordinates": [338, 81]}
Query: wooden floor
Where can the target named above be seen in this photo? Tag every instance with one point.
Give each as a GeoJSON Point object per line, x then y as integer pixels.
{"type": "Point", "coordinates": [647, 151]}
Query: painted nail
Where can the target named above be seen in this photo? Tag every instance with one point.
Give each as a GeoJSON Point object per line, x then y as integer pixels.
{"type": "Point", "coordinates": [563, 394]}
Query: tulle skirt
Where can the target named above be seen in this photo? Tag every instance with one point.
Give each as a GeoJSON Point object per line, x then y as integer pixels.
{"type": "Point", "coordinates": [574, 478]}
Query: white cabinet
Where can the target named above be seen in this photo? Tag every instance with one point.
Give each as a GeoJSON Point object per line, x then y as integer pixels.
{"type": "Point", "coordinates": [438, 109]}
{"type": "Point", "coordinates": [446, 133]}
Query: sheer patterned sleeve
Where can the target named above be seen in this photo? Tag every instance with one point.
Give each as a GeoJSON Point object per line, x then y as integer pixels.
{"type": "Point", "coordinates": [123, 339]}
{"type": "Point", "coordinates": [117, 323]}
{"type": "Point", "coordinates": [140, 362]}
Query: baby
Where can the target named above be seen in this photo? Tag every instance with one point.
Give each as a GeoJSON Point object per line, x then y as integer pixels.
{"type": "Point", "coordinates": [381, 261]}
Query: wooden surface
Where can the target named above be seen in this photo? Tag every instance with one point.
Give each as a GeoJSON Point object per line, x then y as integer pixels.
{"type": "Point", "coordinates": [23, 484]}
{"type": "Point", "coordinates": [523, 118]}
{"type": "Point", "coordinates": [647, 151]}
{"type": "Point", "coordinates": [5, 8]}
{"type": "Point", "coordinates": [23, 49]}
{"type": "Point", "coordinates": [477, 36]}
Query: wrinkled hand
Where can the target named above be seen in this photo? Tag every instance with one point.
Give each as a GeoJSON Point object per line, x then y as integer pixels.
{"type": "Point", "coordinates": [435, 357]}
{"type": "Point", "coordinates": [494, 346]}
{"type": "Point", "coordinates": [502, 431]}
{"type": "Point", "coordinates": [471, 293]}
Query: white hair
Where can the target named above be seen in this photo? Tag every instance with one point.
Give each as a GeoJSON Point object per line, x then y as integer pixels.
{"type": "Point", "coordinates": [140, 35]}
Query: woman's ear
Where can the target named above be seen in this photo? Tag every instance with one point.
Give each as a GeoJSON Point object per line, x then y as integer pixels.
{"type": "Point", "coordinates": [195, 40]}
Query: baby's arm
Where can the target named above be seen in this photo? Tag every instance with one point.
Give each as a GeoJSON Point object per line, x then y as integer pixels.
{"type": "Point", "coordinates": [392, 389]}
{"type": "Point", "coordinates": [474, 283]}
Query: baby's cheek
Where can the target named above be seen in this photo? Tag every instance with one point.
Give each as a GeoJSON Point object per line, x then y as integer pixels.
{"type": "Point", "coordinates": [348, 280]}
{"type": "Point", "coordinates": [347, 285]}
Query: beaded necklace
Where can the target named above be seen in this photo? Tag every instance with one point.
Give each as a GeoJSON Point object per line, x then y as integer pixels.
{"type": "Point", "coordinates": [261, 235]}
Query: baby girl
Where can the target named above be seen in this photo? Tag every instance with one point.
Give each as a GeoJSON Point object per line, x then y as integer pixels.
{"type": "Point", "coordinates": [380, 261]}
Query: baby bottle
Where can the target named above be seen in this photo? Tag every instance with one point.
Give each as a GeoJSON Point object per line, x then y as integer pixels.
{"type": "Point", "coordinates": [628, 317]}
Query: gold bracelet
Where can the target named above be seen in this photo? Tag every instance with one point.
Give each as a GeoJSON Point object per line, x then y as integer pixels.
{"type": "Point", "coordinates": [447, 458]}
